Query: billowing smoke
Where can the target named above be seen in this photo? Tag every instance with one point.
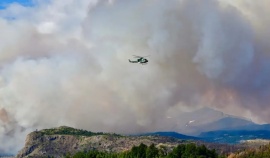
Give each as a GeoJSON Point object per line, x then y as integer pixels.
{"type": "Point", "coordinates": [65, 62]}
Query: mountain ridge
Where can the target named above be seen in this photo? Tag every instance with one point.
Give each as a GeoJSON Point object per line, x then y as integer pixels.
{"type": "Point", "coordinates": [208, 119]}
{"type": "Point", "coordinates": [49, 142]}
{"type": "Point", "coordinates": [171, 134]}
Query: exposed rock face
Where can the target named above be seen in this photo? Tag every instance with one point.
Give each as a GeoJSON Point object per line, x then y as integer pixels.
{"type": "Point", "coordinates": [57, 142]}
{"type": "Point", "coordinates": [39, 144]}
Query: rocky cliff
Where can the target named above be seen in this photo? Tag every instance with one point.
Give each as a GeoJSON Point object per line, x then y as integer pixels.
{"type": "Point", "coordinates": [59, 141]}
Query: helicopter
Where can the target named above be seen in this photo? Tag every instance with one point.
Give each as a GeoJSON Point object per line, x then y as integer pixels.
{"type": "Point", "coordinates": [140, 60]}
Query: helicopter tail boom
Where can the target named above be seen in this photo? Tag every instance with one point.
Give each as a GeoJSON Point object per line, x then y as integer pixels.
{"type": "Point", "coordinates": [132, 61]}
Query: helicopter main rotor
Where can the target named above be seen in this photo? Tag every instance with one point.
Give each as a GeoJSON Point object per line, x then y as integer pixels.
{"type": "Point", "coordinates": [136, 56]}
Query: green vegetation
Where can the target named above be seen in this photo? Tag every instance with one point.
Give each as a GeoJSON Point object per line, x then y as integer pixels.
{"type": "Point", "coordinates": [64, 130]}
{"type": "Point", "coordinates": [262, 152]}
{"type": "Point", "coordinates": [143, 151]}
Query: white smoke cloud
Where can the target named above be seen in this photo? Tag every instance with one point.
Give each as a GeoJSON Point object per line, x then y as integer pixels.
{"type": "Point", "coordinates": [65, 62]}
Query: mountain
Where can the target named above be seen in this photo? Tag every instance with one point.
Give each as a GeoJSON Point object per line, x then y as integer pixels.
{"type": "Point", "coordinates": [59, 141]}
{"type": "Point", "coordinates": [253, 127]}
{"type": "Point", "coordinates": [215, 126]}
{"type": "Point", "coordinates": [172, 134]}
{"type": "Point", "coordinates": [201, 117]}
{"type": "Point", "coordinates": [207, 119]}
{"type": "Point", "coordinates": [234, 136]}
{"type": "Point", "coordinates": [220, 136]}
{"type": "Point", "coordinates": [228, 123]}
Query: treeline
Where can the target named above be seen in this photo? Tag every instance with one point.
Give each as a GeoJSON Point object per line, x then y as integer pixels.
{"type": "Point", "coordinates": [262, 152]}
{"type": "Point", "coordinates": [71, 131]}
{"type": "Point", "coordinates": [143, 151]}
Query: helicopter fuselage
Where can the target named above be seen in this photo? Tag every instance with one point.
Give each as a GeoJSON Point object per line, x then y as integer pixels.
{"type": "Point", "coordinates": [140, 60]}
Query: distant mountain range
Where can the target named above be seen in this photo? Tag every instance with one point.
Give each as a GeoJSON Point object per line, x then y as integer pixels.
{"type": "Point", "coordinates": [207, 119]}
{"type": "Point", "coordinates": [220, 136]}
{"type": "Point", "coordinates": [171, 134]}
{"type": "Point", "coordinates": [234, 136]}
{"type": "Point", "coordinates": [214, 126]}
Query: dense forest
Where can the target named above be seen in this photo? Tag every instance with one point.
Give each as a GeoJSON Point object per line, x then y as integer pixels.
{"type": "Point", "coordinates": [143, 151]}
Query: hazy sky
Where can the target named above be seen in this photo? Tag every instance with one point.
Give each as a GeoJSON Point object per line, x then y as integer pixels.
{"type": "Point", "coordinates": [65, 62]}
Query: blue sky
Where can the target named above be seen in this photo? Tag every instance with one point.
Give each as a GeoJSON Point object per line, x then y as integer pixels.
{"type": "Point", "coordinates": [4, 3]}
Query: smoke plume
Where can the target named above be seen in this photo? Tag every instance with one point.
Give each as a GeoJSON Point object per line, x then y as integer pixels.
{"type": "Point", "coordinates": [65, 62]}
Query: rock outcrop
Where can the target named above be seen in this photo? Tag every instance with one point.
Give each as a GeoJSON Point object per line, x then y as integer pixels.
{"type": "Point", "coordinates": [42, 143]}
{"type": "Point", "coordinates": [57, 142]}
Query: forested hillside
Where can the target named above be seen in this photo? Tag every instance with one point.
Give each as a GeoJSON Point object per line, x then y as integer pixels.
{"type": "Point", "coordinates": [143, 151]}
